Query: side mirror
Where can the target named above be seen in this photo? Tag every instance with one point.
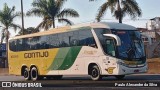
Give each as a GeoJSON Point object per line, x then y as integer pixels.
{"type": "Point", "coordinates": [118, 40]}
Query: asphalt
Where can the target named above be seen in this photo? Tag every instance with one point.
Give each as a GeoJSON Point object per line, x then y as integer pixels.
{"type": "Point", "coordinates": [5, 72]}
{"type": "Point", "coordinates": [85, 83]}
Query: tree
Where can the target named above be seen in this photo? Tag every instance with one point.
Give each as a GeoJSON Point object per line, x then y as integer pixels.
{"type": "Point", "coordinates": [7, 16]}
{"type": "Point", "coordinates": [51, 10]}
{"type": "Point", "coordinates": [119, 9]}
{"type": "Point", "coordinates": [29, 30]}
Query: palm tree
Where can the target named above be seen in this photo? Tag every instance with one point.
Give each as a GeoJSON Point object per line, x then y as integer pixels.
{"type": "Point", "coordinates": [119, 9]}
{"type": "Point", "coordinates": [7, 16]}
{"type": "Point", "coordinates": [51, 10]}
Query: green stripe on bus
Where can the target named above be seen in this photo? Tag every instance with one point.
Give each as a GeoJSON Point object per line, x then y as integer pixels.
{"type": "Point", "coordinates": [70, 58]}
{"type": "Point", "coordinates": [58, 60]}
{"type": "Point", "coordinates": [65, 58]}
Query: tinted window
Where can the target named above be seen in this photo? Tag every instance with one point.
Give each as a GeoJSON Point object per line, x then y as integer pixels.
{"type": "Point", "coordinates": [67, 39]}
{"type": "Point", "coordinates": [63, 40]}
{"type": "Point", "coordinates": [86, 38]}
{"type": "Point", "coordinates": [53, 41]}
{"type": "Point", "coordinates": [73, 38]}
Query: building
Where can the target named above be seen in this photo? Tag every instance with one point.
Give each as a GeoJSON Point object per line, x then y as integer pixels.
{"type": "Point", "coordinates": [152, 50]}
{"type": "Point", "coordinates": [153, 23]}
{"type": "Point", "coordinates": [150, 33]}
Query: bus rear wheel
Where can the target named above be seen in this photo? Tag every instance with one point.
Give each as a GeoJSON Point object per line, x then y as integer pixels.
{"type": "Point", "coordinates": [119, 77]}
{"type": "Point", "coordinates": [34, 74]}
{"type": "Point", "coordinates": [26, 74]}
{"type": "Point", "coordinates": [95, 73]}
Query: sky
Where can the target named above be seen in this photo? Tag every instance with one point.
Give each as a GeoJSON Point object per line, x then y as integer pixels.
{"type": "Point", "coordinates": [87, 11]}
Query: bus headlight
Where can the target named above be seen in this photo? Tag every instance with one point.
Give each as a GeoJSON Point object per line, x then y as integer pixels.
{"type": "Point", "coordinates": [121, 63]}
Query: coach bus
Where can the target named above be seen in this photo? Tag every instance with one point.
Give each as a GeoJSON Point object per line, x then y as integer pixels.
{"type": "Point", "coordinates": [94, 49]}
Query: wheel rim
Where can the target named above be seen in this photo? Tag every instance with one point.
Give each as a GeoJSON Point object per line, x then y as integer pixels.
{"type": "Point", "coordinates": [95, 73]}
{"type": "Point", "coordinates": [34, 74]}
{"type": "Point", "coordinates": [26, 74]}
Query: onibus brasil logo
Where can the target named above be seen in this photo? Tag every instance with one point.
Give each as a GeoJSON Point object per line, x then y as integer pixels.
{"type": "Point", "coordinates": [20, 84]}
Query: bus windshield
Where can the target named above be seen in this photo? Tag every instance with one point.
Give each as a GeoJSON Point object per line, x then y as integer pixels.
{"type": "Point", "coordinates": [131, 48]}
{"type": "Point", "coordinates": [131, 44]}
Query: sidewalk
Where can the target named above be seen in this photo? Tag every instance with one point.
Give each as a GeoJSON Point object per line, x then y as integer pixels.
{"type": "Point", "coordinates": [3, 71]}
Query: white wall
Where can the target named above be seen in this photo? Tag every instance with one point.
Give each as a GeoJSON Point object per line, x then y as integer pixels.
{"type": "Point", "coordinates": [152, 24]}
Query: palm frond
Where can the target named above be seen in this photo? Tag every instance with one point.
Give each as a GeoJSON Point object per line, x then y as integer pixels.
{"type": "Point", "coordinates": [120, 8]}
{"type": "Point", "coordinates": [52, 9]}
{"type": "Point", "coordinates": [112, 5]}
{"type": "Point", "coordinates": [131, 8]}
{"type": "Point", "coordinates": [59, 3]}
{"type": "Point", "coordinates": [41, 5]}
{"type": "Point", "coordinates": [62, 20]}
{"type": "Point", "coordinates": [101, 11]}
{"type": "Point", "coordinates": [36, 12]}
{"type": "Point", "coordinates": [68, 13]}
{"type": "Point", "coordinates": [7, 16]}
{"type": "Point", "coordinates": [15, 26]}
{"type": "Point", "coordinates": [15, 15]}
{"type": "Point", "coordinates": [46, 23]}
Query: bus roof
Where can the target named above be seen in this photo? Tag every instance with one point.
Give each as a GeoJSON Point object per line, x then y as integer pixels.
{"type": "Point", "coordinates": [109, 25]}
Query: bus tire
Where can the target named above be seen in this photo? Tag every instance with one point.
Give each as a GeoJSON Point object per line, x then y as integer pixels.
{"type": "Point", "coordinates": [34, 73]}
{"type": "Point", "coordinates": [26, 74]}
{"type": "Point", "coordinates": [95, 73]}
{"type": "Point", "coordinates": [120, 77]}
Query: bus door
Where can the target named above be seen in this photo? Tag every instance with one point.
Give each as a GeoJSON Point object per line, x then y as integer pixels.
{"type": "Point", "coordinates": [110, 53]}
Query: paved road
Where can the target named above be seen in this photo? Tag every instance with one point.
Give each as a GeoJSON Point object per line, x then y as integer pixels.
{"type": "Point", "coordinates": [85, 81]}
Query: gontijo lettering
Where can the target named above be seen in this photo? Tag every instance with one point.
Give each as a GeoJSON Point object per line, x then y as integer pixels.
{"type": "Point", "coordinates": [36, 54]}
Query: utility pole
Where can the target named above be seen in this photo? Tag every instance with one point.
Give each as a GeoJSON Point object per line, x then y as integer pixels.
{"type": "Point", "coordinates": [22, 17]}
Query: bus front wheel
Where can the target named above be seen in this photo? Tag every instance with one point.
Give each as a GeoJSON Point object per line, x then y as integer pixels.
{"type": "Point", "coordinates": [34, 74]}
{"type": "Point", "coordinates": [26, 74]}
{"type": "Point", "coordinates": [95, 73]}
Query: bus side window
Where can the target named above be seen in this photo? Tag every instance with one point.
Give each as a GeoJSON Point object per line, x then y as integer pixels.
{"type": "Point", "coordinates": [82, 40]}
{"type": "Point", "coordinates": [18, 45]}
{"type": "Point", "coordinates": [83, 35]}
{"type": "Point", "coordinates": [47, 42]}
{"type": "Point", "coordinates": [73, 38]}
{"type": "Point", "coordinates": [66, 39]}
{"type": "Point", "coordinates": [91, 42]}
{"type": "Point", "coordinates": [53, 41]}
{"type": "Point", "coordinates": [12, 45]}
{"type": "Point", "coordinates": [38, 45]}
{"type": "Point", "coordinates": [62, 37]}
{"type": "Point", "coordinates": [32, 43]}
{"type": "Point", "coordinates": [25, 44]}
{"type": "Point", "coordinates": [86, 38]}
